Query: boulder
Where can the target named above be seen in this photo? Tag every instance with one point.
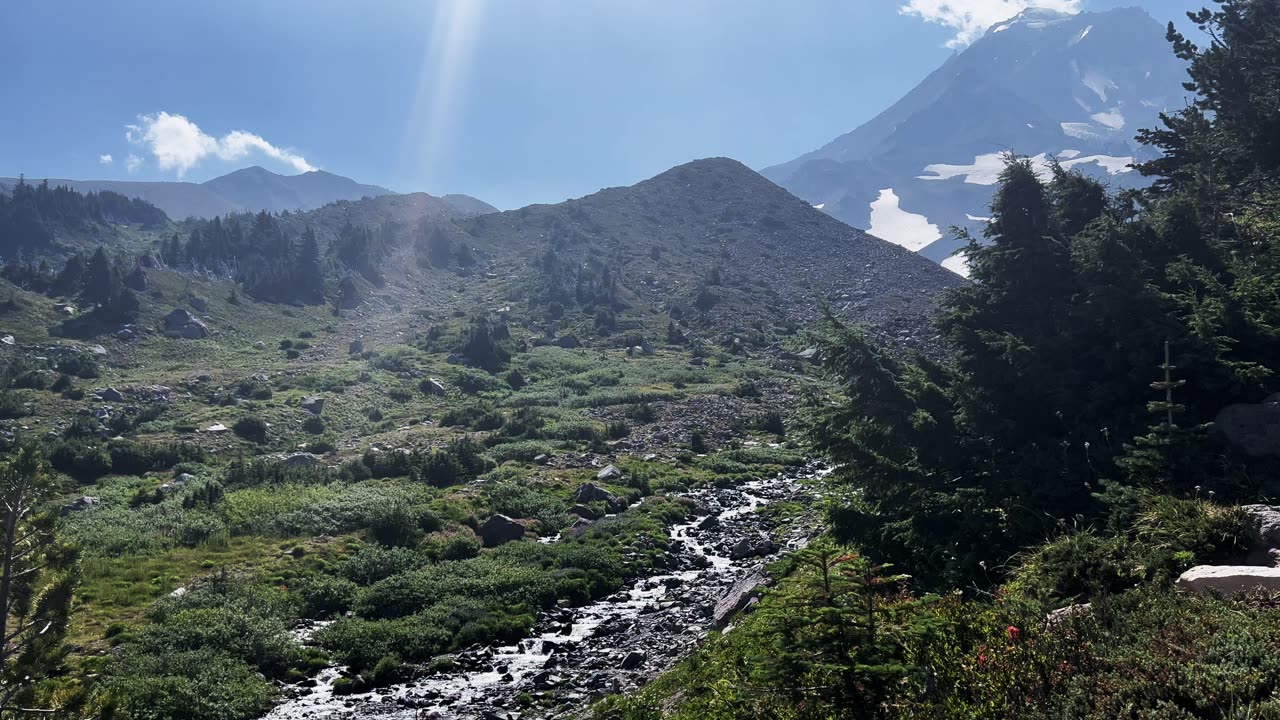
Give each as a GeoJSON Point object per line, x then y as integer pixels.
{"type": "Point", "coordinates": [433, 387]}
{"type": "Point", "coordinates": [97, 350]}
{"type": "Point", "coordinates": [499, 530]}
{"type": "Point", "coordinates": [300, 459]}
{"type": "Point", "coordinates": [8, 340]}
{"type": "Point", "coordinates": [591, 492]}
{"type": "Point", "coordinates": [1057, 616]}
{"type": "Point", "coordinates": [742, 593]}
{"type": "Point", "coordinates": [1263, 522]}
{"type": "Point", "coordinates": [84, 502]}
{"type": "Point", "coordinates": [634, 659]}
{"type": "Point", "coordinates": [184, 478]}
{"type": "Point", "coordinates": [199, 303]}
{"type": "Point", "coordinates": [355, 347]}
{"type": "Point", "coordinates": [216, 429]}
{"type": "Point", "coordinates": [111, 395]}
{"type": "Point", "coordinates": [608, 472]}
{"type": "Point", "coordinates": [808, 354]}
{"type": "Point", "coordinates": [313, 404]}
{"type": "Point", "coordinates": [181, 323]}
{"type": "Point", "coordinates": [259, 345]}
{"type": "Point", "coordinates": [568, 342]}
{"type": "Point", "coordinates": [583, 512]}
{"type": "Point", "coordinates": [1253, 428]}
{"type": "Point", "coordinates": [1227, 580]}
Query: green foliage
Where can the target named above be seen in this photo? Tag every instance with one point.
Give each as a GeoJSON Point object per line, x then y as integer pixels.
{"type": "Point", "coordinates": [251, 428]}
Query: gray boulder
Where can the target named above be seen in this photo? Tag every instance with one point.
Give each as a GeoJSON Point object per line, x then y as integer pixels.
{"type": "Point", "coordinates": [634, 659]}
{"type": "Point", "coordinates": [499, 530]}
{"type": "Point", "coordinates": [181, 323]}
{"type": "Point", "coordinates": [300, 459]}
{"type": "Point", "coordinates": [111, 395]}
{"type": "Point", "coordinates": [84, 502]}
{"type": "Point", "coordinates": [433, 387]}
{"type": "Point", "coordinates": [583, 512]}
{"type": "Point", "coordinates": [313, 404]}
{"type": "Point", "coordinates": [738, 597]}
{"type": "Point", "coordinates": [97, 350]}
{"type": "Point", "coordinates": [609, 472]}
{"type": "Point", "coordinates": [200, 304]}
{"type": "Point", "coordinates": [8, 340]}
{"type": "Point", "coordinates": [1253, 428]}
{"type": "Point", "coordinates": [591, 492]}
{"type": "Point", "coordinates": [1263, 522]}
{"type": "Point", "coordinates": [1228, 580]}
{"type": "Point", "coordinates": [355, 347]}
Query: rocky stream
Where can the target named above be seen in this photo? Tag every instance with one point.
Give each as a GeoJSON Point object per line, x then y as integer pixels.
{"type": "Point", "coordinates": [578, 655]}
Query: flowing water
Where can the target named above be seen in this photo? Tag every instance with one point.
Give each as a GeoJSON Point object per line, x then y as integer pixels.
{"type": "Point", "coordinates": [578, 655]}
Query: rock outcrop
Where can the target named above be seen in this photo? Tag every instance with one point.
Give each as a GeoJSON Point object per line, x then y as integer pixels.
{"type": "Point", "coordinates": [499, 530]}
{"type": "Point", "coordinates": [1253, 428]}
{"type": "Point", "coordinates": [1228, 580]}
{"type": "Point", "coordinates": [182, 324]}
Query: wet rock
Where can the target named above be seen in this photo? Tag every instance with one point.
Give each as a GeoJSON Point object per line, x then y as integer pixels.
{"type": "Point", "coordinates": [313, 404]}
{"type": "Point", "coordinates": [499, 530]}
{"type": "Point", "coordinates": [1228, 580]}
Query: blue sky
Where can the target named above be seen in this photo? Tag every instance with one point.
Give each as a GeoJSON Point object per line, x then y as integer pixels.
{"type": "Point", "coordinates": [513, 101]}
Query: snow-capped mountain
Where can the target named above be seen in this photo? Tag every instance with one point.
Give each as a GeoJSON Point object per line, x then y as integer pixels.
{"type": "Point", "coordinates": [1044, 84]}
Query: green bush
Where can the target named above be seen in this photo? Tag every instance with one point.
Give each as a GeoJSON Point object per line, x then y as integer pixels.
{"type": "Point", "coordinates": [251, 428]}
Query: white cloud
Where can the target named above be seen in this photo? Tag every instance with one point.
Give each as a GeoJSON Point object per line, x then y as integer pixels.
{"type": "Point", "coordinates": [105, 159]}
{"type": "Point", "coordinates": [970, 18]}
{"type": "Point", "coordinates": [890, 222]}
{"type": "Point", "coordinates": [132, 163]}
{"type": "Point", "coordinates": [179, 144]}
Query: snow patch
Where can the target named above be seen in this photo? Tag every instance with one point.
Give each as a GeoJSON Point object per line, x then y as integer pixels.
{"type": "Point", "coordinates": [890, 222]}
{"type": "Point", "coordinates": [958, 264]}
{"type": "Point", "coordinates": [1113, 119]}
{"type": "Point", "coordinates": [1083, 34]}
{"type": "Point", "coordinates": [1082, 131]}
{"type": "Point", "coordinates": [986, 169]}
{"type": "Point", "coordinates": [976, 218]}
{"type": "Point", "coordinates": [1098, 83]}
{"type": "Point", "coordinates": [819, 206]}
{"type": "Point", "coordinates": [1083, 105]}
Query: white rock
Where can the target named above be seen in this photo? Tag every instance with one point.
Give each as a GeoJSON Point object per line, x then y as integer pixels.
{"type": "Point", "coordinates": [1227, 580]}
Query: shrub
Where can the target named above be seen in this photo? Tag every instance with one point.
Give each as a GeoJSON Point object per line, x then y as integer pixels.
{"type": "Point", "coordinates": [401, 526]}
{"type": "Point", "coordinates": [327, 595]}
{"type": "Point", "coordinates": [314, 425]}
{"type": "Point", "coordinates": [251, 428]}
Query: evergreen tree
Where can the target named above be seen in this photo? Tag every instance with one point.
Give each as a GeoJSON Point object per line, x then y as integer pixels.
{"type": "Point", "coordinates": [309, 273]}
{"type": "Point", "coordinates": [101, 281]}
{"type": "Point", "coordinates": [39, 577]}
{"type": "Point", "coordinates": [70, 279]}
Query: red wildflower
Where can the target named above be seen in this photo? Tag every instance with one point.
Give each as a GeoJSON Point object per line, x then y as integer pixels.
{"type": "Point", "coordinates": [1012, 632]}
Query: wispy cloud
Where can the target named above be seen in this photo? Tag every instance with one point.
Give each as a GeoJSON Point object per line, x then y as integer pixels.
{"type": "Point", "coordinates": [180, 145]}
{"type": "Point", "coordinates": [132, 163]}
{"type": "Point", "coordinates": [105, 159]}
{"type": "Point", "coordinates": [970, 18]}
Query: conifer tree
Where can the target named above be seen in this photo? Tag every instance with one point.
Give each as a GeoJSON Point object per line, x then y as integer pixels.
{"type": "Point", "coordinates": [101, 281]}
{"type": "Point", "coordinates": [39, 576]}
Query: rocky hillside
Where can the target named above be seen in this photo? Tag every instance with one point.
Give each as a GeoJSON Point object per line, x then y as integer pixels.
{"type": "Point", "coordinates": [709, 244]}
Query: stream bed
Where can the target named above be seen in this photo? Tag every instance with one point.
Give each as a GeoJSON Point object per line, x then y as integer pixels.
{"type": "Point", "coordinates": [615, 645]}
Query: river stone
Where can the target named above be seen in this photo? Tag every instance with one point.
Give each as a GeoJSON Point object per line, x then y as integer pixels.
{"type": "Point", "coordinates": [499, 530]}
{"type": "Point", "coordinates": [1227, 580]}
{"type": "Point", "coordinates": [742, 592]}
{"type": "Point", "coordinates": [634, 659]}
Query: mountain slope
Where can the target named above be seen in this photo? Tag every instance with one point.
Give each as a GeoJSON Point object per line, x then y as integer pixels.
{"type": "Point", "coordinates": [248, 190]}
{"type": "Point", "coordinates": [711, 244]}
{"type": "Point", "coordinates": [1044, 84]}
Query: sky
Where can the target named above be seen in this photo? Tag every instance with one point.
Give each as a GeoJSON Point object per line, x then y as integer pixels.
{"type": "Point", "coordinates": [511, 101]}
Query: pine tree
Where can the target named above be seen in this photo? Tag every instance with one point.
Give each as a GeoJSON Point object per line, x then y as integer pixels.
{"type": "Point", "coordinates": [309, 282]}
{"type": "Point", "coordinates": [36, 590]}
{"type": "Point", "coordinates": [101, 281]}
{"type": "Point", "coordinates": [70, 279]}
{"type": "Point", "coordinates": [1169, 456]}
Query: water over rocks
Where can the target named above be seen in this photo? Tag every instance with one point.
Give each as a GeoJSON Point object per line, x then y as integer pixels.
{"type": "Point", "coordinates": [579, 655]}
